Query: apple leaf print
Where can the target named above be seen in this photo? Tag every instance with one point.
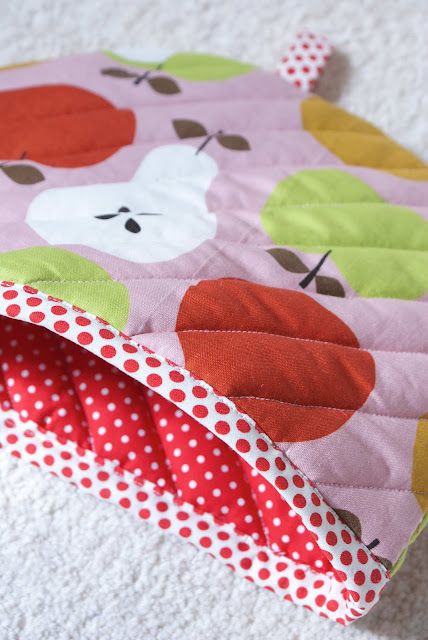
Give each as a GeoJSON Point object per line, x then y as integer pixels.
{"type": "Point", "coordinates": [328, 286]}
{"type": "Point", "coordinates": [288, 260]}
{"type": "Point", "coordinates": [193, 129]}
{"type": "Point", "coordinates": [237, 143]}
{"type": "Point", "coordinates": [380, 248]}
{"type": "Point", "coordinates": [116, 72]}
{"type": "Point", "coordinates": [68, 276]}
{"type": "Point", "coordinates": [189, 129]}
{"type": "Point", "coordinates": [351, 520]}
{"type": "Point", "coordinates": [162, 84]}
{"type": "Point", "coordinates": [22, 173]}
{"type": "Point", "coordinates": [195, 67]}
{"type": "Point", "coordinates": [323, 284]}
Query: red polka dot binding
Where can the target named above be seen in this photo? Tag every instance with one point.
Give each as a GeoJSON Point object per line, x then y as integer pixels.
{"type": "Point", "coordinates": [85, 402]}
{"type": "Point", "coordinates": [304, 62]}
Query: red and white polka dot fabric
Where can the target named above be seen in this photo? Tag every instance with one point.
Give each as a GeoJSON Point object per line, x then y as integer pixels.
{"type": "Point", "coordinates": [305, 60]}
{"type": "Point", "coordinates": [88, 404]}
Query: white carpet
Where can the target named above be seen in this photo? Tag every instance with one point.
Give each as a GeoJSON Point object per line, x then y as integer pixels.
{"type": "Point", "coordinates": [72, 568]}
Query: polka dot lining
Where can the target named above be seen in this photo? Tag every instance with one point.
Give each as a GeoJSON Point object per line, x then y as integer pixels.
{"type": "Point", "coordinates": [111, 416]}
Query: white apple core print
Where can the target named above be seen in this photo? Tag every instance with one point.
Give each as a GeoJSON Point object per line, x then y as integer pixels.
{"type": "Point", "coordinates": [157, 216]}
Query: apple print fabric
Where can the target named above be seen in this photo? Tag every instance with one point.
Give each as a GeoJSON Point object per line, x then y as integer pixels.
{"type": "Point", "coordinates": [213, 311]}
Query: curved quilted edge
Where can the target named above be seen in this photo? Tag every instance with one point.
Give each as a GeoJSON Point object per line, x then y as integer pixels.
{"type": "Point", "coordinates": [359, 577]}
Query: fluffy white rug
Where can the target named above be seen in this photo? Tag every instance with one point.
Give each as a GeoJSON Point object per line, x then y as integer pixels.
{"type": "Point", "coordinates": [73, 568]}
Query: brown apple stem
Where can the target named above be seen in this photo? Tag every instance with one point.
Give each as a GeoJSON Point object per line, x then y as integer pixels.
{"type": "Point", "coordinates": [139, 79]}
{"type": "Point", "coordinates": [373, 544]}
{"type": "Point", "coordinates": [207, 140]}
{"type": "Point", "coordinates": [311, 275]}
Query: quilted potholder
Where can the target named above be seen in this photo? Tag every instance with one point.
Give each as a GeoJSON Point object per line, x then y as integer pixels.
{"type": "Point", "coordinates": [214, 311]}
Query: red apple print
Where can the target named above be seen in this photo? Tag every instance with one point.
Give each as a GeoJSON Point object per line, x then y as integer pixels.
{"type": "Point", "coordinates": [61, 126]}
{"type": "Point", "coordinates": [284, 359]}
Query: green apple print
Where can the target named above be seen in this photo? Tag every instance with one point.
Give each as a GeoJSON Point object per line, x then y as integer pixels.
{"type": "Point", "coordinates": [190, 66]}
{"type": "Point", "coordinates": [68, 276]}
{"type": "Point", "coordinates": [380, 248]}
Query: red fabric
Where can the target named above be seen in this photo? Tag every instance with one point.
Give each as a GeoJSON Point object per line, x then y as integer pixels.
{"type": "Point", "coordinates": [61, 126]}
{"type": "Point", "coordinates": [235, 333]}
{"type": "Point", "coordinates": [82, 398]}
